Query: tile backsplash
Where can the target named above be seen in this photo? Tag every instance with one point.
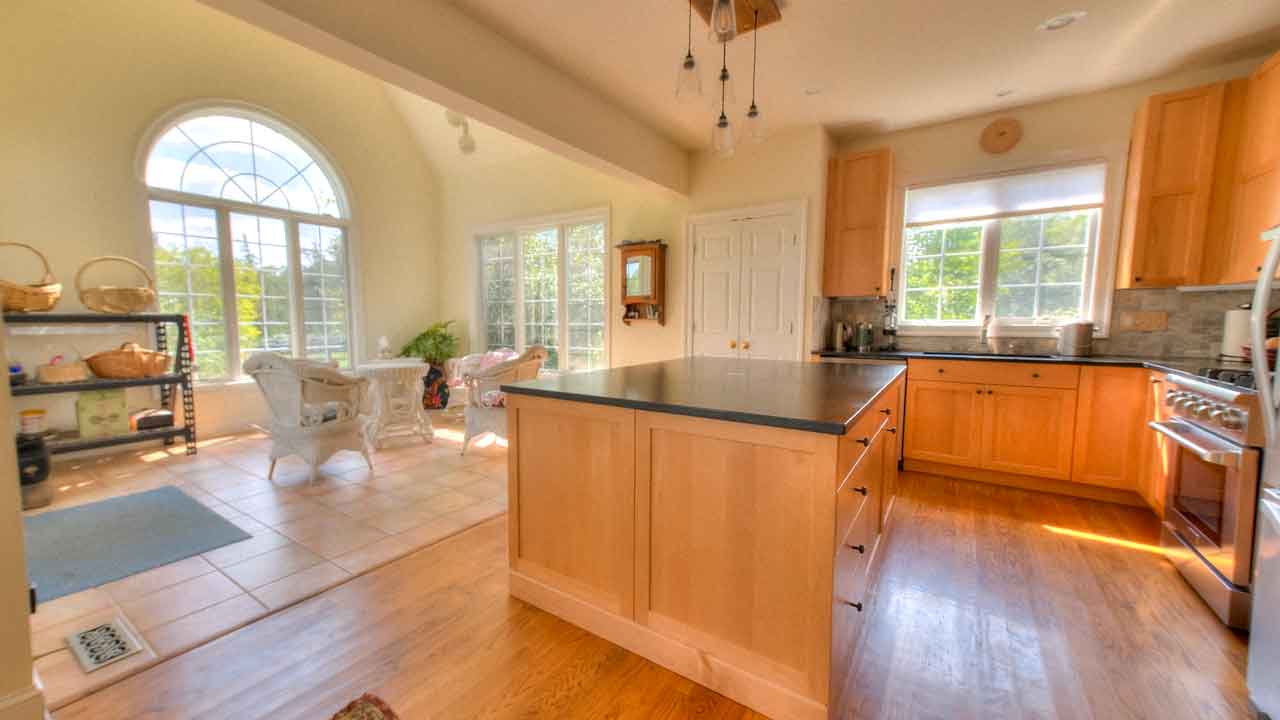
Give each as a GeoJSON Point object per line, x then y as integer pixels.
{"type": "Point", "coordinates": [1184, 324]}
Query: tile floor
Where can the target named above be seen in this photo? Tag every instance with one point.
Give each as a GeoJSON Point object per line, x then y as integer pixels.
{"type": "Point", "coordinates": [307, 537]}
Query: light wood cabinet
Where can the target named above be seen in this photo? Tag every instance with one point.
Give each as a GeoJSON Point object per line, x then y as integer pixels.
{"type": "Point", "coordinates": [1172, 154]}
{"type": "Point", "coordinates": [858, 207]}
{"type": "Point", "coordinates": [1257, 194]}
{"type": "Point", "coordinates": [1028, 430]}
{"type": "Point", "coordinates": [1158, 451]}
{"type": "Point", "coordinates": [1111, 427]}
{"type": "Point", "coordinates": [944, 422]}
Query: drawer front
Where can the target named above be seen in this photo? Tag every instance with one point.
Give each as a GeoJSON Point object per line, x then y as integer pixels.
{"type": "Point", "coordinates": [850, 503]}
{"type": "Point", "coordinates": [851, 572]}
{"type": "Point", "coordinates": [881, 414]}
{"type": "Point", "coordinates": [983, 372]}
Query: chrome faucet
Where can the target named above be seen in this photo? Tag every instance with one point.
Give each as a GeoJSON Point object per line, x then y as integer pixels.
{"type": "Point", "coordinates": [982, 335]}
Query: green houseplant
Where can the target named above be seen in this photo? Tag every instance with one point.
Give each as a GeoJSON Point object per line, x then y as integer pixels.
{"type": "Point", "coordinates": [434, 345]}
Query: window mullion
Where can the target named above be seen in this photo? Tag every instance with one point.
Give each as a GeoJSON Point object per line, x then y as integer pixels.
{"type": "Point", "coordinates": [517, 264]}
{"type": "Point", "coordinates": [988, 269]}
{"type": "Point", "coordinates": [297, 335]}
{"type": "Point", "coordinates": [562, 291]}
{"type": "Point", "coordinates": [230, 316]}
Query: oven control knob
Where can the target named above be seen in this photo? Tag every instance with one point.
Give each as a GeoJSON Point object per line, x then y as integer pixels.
{"type": "Point", "coordinates": [1232, 419]}
{"type": "Point", "coordinates": [1186, 402]}
{"type": "Point", "coordinates": [1172, 397]}
{"type": "Point", "coordinates": [1202, 409]}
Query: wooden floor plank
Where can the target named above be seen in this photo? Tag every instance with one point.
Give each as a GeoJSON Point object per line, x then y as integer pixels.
{"type": "Point", "coordinates": [981, 610]}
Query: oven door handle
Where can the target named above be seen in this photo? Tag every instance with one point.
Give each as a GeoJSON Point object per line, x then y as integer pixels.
{"type": "Point", "coordinates": [1228, 457]}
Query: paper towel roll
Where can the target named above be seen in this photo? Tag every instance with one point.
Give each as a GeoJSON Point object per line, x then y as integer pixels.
{"type": "Point", "coordinates": [1235, 332]}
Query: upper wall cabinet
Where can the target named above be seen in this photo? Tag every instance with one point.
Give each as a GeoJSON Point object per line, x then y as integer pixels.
{"type": "Point", "coordinates": [1172, 157]}
{"type": "Point", "coordinates": [1257, 194]}
{"type": "Point", "coordinates": [858, 201]}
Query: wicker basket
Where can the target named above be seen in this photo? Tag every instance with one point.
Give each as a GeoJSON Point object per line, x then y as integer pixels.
{"type": "Point", "coordinates": [130, 361]}
{"type": "Point", "coordinates": [62, 373]}
{"type": "Point", "coordinates": [116, 300]}
{"type": "Point", "coordinates": [35, 297]}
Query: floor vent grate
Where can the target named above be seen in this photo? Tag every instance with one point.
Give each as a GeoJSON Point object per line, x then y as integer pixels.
{"type": "Point", "coordinates": [103, 645]}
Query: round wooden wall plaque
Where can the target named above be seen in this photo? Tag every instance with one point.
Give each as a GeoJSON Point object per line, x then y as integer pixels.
{"type": "Point", "coordinates": [1001, 135]}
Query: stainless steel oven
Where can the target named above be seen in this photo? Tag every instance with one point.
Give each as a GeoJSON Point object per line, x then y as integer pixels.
{"type": "Point", "coordinates": [1211, 500]}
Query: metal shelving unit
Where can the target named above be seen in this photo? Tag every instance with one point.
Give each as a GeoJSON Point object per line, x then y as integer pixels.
{"type": "Point", "coordinates": [181, 377]}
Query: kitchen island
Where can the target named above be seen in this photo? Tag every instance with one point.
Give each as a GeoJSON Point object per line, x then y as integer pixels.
{"type": "Point", "coordinates": [719, 517]}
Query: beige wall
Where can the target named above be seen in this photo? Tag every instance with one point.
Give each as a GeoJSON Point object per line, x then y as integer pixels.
{"type": "Point", "coordinates": [1083, 127]}
{"type": "Point", "coordinates": [533, 183]}
{"type": "Point", "coordinates": [85, 80]}
{"type": "Point", "coordinates": [788, 166]}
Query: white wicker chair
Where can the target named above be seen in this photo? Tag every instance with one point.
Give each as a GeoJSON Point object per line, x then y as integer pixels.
{"type": "Point", "coordinates": [485, 411]}
{"type": "Point", "coordinates": [316, 411]}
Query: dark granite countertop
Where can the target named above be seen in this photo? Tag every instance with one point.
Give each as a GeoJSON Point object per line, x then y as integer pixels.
{"type": "Point", "coordinates": [1182, 365]}
{"type": "Point", "coordinates": [815, 397]}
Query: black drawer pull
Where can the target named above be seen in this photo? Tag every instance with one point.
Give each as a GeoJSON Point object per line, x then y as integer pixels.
{"type": "Point", "coordinates": [855, 605]}
{"type": "Point", "coordinates": [859, 548]}
{"type": "Point", "coordinates": [1035, 375]}
{"type": "Point", "coordinates": [865, 442]}
{"type": "Point", "coordinates": [940, 370]}
{"type": "Point", "coordinates": [862, 490]}
{"type": "Point", "coordinates": [886, 411]}
{"type": "Point", "coordinates": [892, 430]}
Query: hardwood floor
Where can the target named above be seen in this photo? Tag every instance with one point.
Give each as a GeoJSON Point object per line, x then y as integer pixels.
{"type": "Point", "coordinates": [985, 608]}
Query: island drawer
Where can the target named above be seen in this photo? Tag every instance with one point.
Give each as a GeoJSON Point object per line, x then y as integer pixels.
{"type": "Point", "coordinates": [984, 372]}
{"type": "Point", "coordinates": [864, 433]}
{"type": "Point", "coordinates": [853, 557]}
{"type": "Point", "coordinates": [858, 499]}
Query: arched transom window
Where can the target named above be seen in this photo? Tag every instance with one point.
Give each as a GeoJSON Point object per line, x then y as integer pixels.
{"type": "Point", "coordinates": [249, 223]}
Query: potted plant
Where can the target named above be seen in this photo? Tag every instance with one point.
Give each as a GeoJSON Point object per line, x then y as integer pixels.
{"type": "Point", "coordinates": [434, 345]}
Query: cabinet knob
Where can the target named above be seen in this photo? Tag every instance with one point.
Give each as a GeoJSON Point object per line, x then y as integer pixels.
{"type": "Point", "coordinates": [855, 605]}
{"type": "Point", "coordinates": [1138, 278]}
{"type": "Point", "coordinates": [860, 490]}
{"type": "Point", "coordinates": [859, 548]}
{"type": "Point", "coordinates": [886, 411]}
{"type": "Point", "coordinates": [979, 391]}
{"type": "Point", "coordinates": [746, 344]}
{"type": "Point", "coordinates": [864, 442]}
{"type": "Point", "coordinates": [991, 392]}
{"type": "Point", "coordinates": [1035, 375]}
{"type": "Point", "coordinates": [733, 344]}
{"type": "Point", "coordinates": [940, 371]}
{"type": "Point", "coordinates": [891, 430]}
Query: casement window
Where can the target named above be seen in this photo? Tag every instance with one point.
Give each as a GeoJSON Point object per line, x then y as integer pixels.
{"type": "Point", "coordinates": [250, 241]}
{"type": "Point", "coordinates": [546, 283]}
{"type": "Point", "coordinates": [1018, 247]}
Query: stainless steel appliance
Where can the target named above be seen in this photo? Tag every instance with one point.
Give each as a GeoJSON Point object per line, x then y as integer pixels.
{"type": "Point", "coordinates": [1213, 461]}
{"type": "Point", "coordinates": [1264, 641]}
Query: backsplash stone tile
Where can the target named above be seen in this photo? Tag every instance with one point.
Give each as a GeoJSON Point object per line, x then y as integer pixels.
{"type": "Point", "coordinates": [1194, 325]}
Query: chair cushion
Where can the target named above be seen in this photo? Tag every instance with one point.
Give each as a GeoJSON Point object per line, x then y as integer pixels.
{"type": "Point", "coordinates": [494, 399]}
{"type": "Point", "coordinates": [313, 415]}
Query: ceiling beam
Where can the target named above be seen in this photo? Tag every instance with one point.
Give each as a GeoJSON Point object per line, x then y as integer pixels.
{"type": "Point", "coordinates": [432, 49]}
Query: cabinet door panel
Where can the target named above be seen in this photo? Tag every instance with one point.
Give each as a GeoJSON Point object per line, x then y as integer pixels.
{"type": "Point", "coordinates": [858, 191]}
{"type": "Point", "coordinates": [1257, 198]}
{"type": "Point", "coordinates": [1111, 427]}
{"type": "Point", "coordinates": [944, 422]}
{"type": "Point", "coordinates": [1028, 431]}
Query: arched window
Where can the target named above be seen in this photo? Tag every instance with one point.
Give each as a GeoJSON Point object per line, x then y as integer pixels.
{"type": "Point", "coordinates": [249, 223]}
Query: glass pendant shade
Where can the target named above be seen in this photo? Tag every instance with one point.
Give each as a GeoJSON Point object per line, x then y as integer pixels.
{"type": "Point", "coordinates": [753, 127]}
{"type": "Point", "coordinates": [724, 21]}
{"type": "Point", "coordinates": [688, 80]}
{"type": "Point", "coordinates": [722, 137]}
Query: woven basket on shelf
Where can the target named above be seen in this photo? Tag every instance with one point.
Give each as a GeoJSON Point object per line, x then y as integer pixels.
{"type": "Point", "coordinates": [32, 297]}
{"type": "Point", "coordinates": [116, 300]}
{"type": "Point", "coordinates": [130, 361]}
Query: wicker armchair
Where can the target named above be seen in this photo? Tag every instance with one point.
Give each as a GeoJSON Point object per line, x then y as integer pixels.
{"type": "Point", "coordinates": [486, 409]}
{"type": "Point", "coordinates": [316, 411]}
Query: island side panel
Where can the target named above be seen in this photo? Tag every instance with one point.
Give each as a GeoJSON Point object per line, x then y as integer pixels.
{"type": "Point", "coordinates": [571, 478]}
{"type": "Point", "coordinates": [735, 525]}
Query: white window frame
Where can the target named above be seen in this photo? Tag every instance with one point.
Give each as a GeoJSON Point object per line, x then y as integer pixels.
{"type": "Point", "coordinates": [514, 227]}
{"type": "Point", "coordinates": [1096, 290]}
{"type": "Point", "coordinates": [224, 208]}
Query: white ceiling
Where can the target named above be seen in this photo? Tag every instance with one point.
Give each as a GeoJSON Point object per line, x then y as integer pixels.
{"type": "Point", "coordinates": [878, 65]}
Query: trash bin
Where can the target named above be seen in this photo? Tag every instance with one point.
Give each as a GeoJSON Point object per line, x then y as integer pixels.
{"type": "Point", "coordinates": [33, 471]}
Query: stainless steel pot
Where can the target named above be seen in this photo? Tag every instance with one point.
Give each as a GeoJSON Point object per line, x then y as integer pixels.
{"type": "Point", "coordinates": [1075, 339]}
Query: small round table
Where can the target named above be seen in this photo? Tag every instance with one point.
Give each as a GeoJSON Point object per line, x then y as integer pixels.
{"type": "Point", "coordinates": [397, 400]}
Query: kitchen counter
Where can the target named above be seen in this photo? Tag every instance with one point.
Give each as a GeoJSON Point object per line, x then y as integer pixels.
{"type": "Point", "coordinates": [1183, 365]}
{"type": "Point", "coordinates": [815, 397]}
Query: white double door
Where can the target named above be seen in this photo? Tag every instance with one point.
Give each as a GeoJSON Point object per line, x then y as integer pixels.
{"type": "Point", "coordinates": [748, 288]}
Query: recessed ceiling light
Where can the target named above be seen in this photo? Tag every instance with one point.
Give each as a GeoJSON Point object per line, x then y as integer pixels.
{"type": "Point", "coordinates": [1057, 22]}
{"type": "Point", "coordinates": [813, 91]}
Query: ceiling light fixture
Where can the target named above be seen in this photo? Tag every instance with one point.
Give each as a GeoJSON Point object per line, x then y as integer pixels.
{"type": "Point", "coordinates": [1057, 22]}
{"type": "Point", "coordinates": [727, 94]}
{"type": "Point", "coordinates": [722, 133]}
{"type": "Point", "coordinates": [689, 78]}
{"type": "Point", "coordinates": [754, 124]}
{"type": "Point", "coordinates": [724, 20]}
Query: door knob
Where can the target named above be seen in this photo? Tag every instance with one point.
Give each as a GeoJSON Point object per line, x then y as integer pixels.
{"type": "Point", "coordinates": [746, 344]}
{"type": "Point", "coordinates": [733, 344]}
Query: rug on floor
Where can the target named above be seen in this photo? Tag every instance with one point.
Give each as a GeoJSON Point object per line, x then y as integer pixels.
{"type": "Point", "coordinates": [367, 707]}
{"type": "Point", "coordinates": [89, 545]}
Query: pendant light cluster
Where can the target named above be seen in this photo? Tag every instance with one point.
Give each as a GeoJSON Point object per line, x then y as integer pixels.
{"type": "Point", "coordinates": [724, 27]}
